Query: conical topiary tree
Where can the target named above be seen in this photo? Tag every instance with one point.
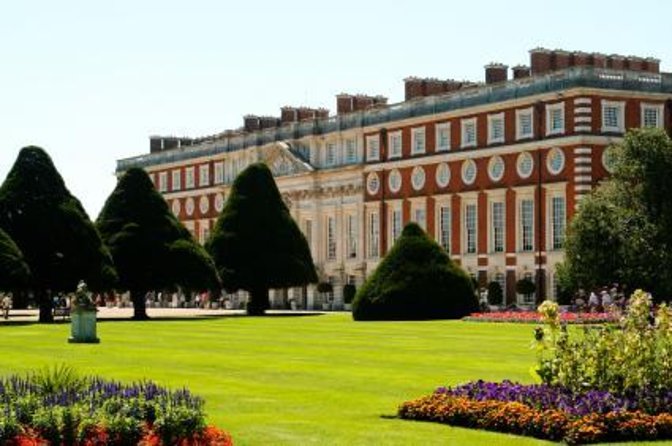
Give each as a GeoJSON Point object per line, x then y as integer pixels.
{"type": "Point", "coordinates": [14, 271]}
{"type": "Point", "coordinates": [415, 280]}
{"type": "Point", "coordinates": [60, 244]}
{"type": "Point", "coordinates": [151, 248]}
{"type": "Point", "coordinates": [256, 244]}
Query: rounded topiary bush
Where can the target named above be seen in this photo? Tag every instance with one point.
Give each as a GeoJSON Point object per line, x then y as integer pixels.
{"type": "Point", "coordinates": [415, 280]}
{"type": "Point", "coordinates": [495, 293]}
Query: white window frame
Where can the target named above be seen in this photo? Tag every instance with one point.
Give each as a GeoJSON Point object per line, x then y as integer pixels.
{"type": "Point", "coordinates": [550, 108]}
{"type": "Point", "coordinates": [189, 180]}
{"type": "Point", "coordinates": [176, 175]}
{"type": "Point", "coordinates": [444, 126]}
{"type": "Point", "coordinates": [494, 248]}
{"type": "Point", "coordinates": [468, 250]}
{"type": "Point", "coordinates": [444, 232]}
{"type": "Point", "coordinates": [522, 247]}
{"type": "Point", "coordinates": [463, 126]}
{"type": "Point", "coordinates": [163, 181]}
{"type": "Point", "coordinates": [658, 108]}
{"type": "Point", "coordinates": [396, 223]}
{"type": "Point", "coordinates": [203, 232]}
{"type": "Point", "coordinates": [330, 154]}
{"type": "Point", "coordinates": [620, 116]}
{"type": "Point", "coordinates": [350, 150]}
{"type": "Point", "coordinates": [420, 216]}
{"type": "Point", "coordinates": [371, 142]}
{"type": "Point", "coordinates": [492, 120]}
{"type": "Point", "coordinates": [204, 175]}
{"type": "Point", "coordinates": [374, 235]}
{"type": "Point", "coordinates": [418, 134]}
{"type": "Point", "coordinates": [556, 241]}
{"type": "Point", "coordinates": [391, 138]}
{"type": "Point", "coordinates": [519, 131]}
{"type": "Point", "coordinates": [219, 172]}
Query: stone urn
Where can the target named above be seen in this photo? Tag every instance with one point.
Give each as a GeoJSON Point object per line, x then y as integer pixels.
{"type": "Point", "coordinates": [83, 318]}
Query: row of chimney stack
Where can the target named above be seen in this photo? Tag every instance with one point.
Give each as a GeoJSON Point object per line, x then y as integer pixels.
{"type": "Point", "coordinates": [348, 103]}
{"type": "Point", "coordinates": [415, 87]}
{"type": "Point", "coordinates": [543, 60]}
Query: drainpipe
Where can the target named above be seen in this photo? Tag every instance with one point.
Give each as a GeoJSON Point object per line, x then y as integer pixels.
{"type": "Point", "coordinates": [539, 109]}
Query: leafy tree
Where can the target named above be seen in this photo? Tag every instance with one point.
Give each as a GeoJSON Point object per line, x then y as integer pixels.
{"type": "Point", "coordinates": [256, 245]}
{"type": "Point", "coordinates": [14, 271]}
{"type": "Point", "coordinates": [525, 287]}
{"type": "Point", "coordinates": [349, 291]}
{"type": "Point", "coordinates": [60, 244]}
{"type": "Point", "coordinates": [495, 293]}
{"type": "Point", "coordinates": [623, 230]}
{"type": "Point", "coordinates": [415, 280]}
{"type": "Point", "coordinates": [151, 248]}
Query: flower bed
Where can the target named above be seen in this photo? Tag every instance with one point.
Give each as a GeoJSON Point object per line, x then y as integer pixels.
{"type": "Point", "coordinates": [535, 317]}
{"type": "Point", "coordinates": [57, 407]}
{"type": "Point", "coordinates": [550, 424]}
{"type": "Point", "coordinates": [611, 383]}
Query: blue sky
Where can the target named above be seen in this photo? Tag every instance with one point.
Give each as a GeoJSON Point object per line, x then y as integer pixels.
{"type": "Point", "coordinates": [89, 80]}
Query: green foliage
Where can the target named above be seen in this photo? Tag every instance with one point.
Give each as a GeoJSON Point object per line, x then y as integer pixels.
{"type": "Point", "coordinates": [14, 271]}
{"type": "Point", "coordinates": [495, 293]}
{"type": "Point", "coordinates": [623, 231]}
{"type": "Point", "coordinates": [349, 291]}
{"type": "Point", "coordinates": [525, 287]}
{"type": "Point", "coordinates": [151, 248]}
{"type": "Point", "coordinates": [53, 379]}
{"type": "Point", "coordinates": [256, 245]}
{"type": "Point", "coordinates": [50, 227]}
{"type": "Point", "coordinates": [631, 356]}
{"type": "Point", "coordinates": [415, 280]}
{"type": "Point", "coordinates": [325, 287]}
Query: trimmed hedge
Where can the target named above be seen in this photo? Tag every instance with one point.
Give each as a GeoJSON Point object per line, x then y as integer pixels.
{"type": "Point", "coordinates": [416, 280]}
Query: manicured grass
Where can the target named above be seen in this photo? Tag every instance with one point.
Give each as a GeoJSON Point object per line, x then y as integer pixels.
{"type": "Point", "coordinates": [310, 380]}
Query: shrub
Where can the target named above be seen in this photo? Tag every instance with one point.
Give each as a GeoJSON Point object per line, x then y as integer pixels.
{"type": "Point", "coordinates": [495, 293]}
{"type": "Point", "coordinates": [525, 287]}
{"type": "Point", "coordinates": [631, 356]}
{"type": "Point", "coordinates": [415, 280]}
{"type": "Point", "coordinates": [325, 287]}
{"type": "Point", "coordinates": [349, 291]}
{"type": "Point", "coordinates": [57, 407]}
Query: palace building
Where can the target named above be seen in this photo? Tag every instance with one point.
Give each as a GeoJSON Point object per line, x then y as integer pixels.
{"type": "Point", "coordinates": [492, 170]}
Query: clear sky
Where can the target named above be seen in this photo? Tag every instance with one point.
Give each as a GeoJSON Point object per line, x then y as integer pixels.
{"type": "Point", "coordinates": [90, 80]}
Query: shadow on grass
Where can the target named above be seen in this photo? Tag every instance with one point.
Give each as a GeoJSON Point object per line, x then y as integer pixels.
{"type": "Point", "coordinates": [14, 322]}
{"type": "Point", "coordinates": [210, 317]}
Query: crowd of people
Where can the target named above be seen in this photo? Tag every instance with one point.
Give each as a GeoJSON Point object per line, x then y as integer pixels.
{"type": "Point", "coordinates": [602, 299]}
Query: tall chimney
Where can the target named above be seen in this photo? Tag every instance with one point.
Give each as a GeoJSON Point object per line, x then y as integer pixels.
{"type": "Point", "coordinates": [413, 88]}
{"type": "Point", "coordinates": [540, 61]}
{"type": "Point", "coordinates": [251, 123]}
{"type": "Point", "coordinates": [289, 114]}
{"type": "Point", "coordinates": [345, 103]}
{"type": "Point", "coordinates": [520, 71]}
{"type": "Point", "coordinates": [495, 73]}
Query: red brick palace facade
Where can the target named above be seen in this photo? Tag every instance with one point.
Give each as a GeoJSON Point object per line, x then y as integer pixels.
{"type": "Point", "coordinates": [493, 170]}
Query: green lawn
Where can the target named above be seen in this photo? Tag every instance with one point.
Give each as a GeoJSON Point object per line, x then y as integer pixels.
{"type": "Point", "coordinates": [312, 380]}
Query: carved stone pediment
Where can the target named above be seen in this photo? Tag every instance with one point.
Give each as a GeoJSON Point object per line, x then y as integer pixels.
{"type": "Point", "coordinates": [280, 159]}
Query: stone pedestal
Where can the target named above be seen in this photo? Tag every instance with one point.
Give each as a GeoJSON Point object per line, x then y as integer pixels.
{"type": "Point", "coordinates": [83, 327]}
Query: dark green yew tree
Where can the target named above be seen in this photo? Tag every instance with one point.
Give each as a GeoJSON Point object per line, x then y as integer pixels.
{"type": "Point", "coordinates": [50, 227]}
{"type": "Point", "coordinates": [415, 280]}
{"type": "Point", "coordinates": [256, 244]}
{"type": "Point", "coordinates": [151, 248]}
{"type": "Point", "coordinates": [14, 271]}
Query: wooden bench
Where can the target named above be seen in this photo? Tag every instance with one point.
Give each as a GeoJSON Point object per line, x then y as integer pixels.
{"type": "Point", "coordinates": [63, 312]}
